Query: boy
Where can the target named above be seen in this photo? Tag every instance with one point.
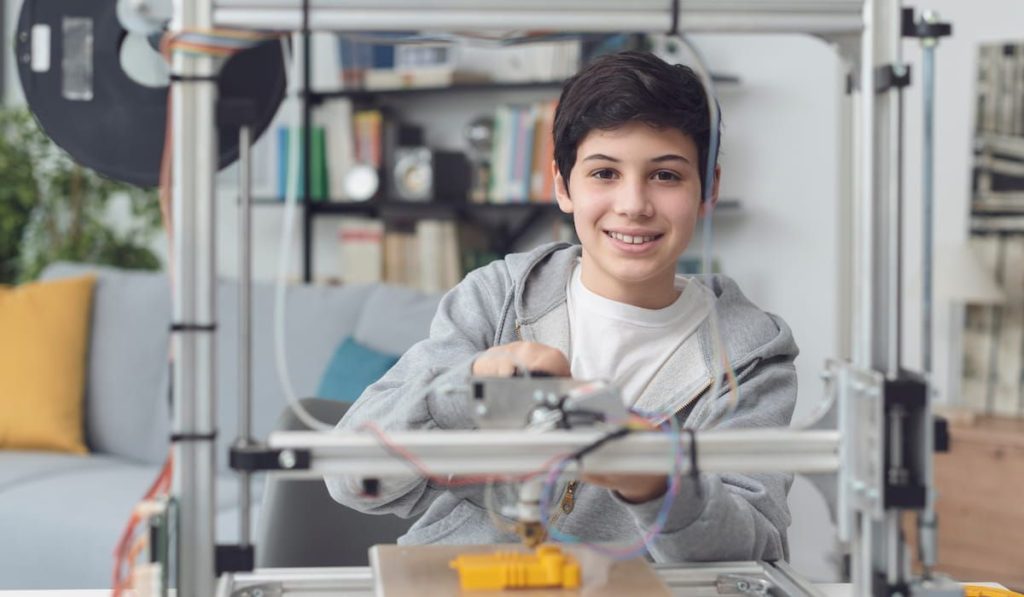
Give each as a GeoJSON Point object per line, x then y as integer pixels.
{"type": "Point", "coordinates": [631, 144]}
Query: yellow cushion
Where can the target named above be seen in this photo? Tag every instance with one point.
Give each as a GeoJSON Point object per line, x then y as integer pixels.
{"type": "Point", "coordinates": [44, 335]}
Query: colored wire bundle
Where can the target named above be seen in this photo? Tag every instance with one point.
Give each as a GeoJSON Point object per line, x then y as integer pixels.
{"type": "Point", "coordinates": [130, 545]}
{"type": "Point", "coordinates": [552, 470]}
{"type": "Point", "coordinates": [640, 546]}
{"type": "Point", "coordinates": [219, 43]}
{"type": "Point", "coordinates": [421, 469]}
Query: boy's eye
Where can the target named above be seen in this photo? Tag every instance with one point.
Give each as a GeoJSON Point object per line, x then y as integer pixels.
{"type": "Point", "coordinates": [666, 176]}
{"type": "Point", "coordinates": [604, 174]}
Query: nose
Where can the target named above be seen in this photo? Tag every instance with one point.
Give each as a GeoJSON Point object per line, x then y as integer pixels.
{"type": "Point", "coordinates": [632, 200]}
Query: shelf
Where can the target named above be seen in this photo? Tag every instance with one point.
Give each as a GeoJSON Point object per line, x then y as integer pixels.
{"type": "Point", "coordinates": [397, 209]}
{"type": "Point", "coordinates": [393, 208]}
{"type": "Point", "coordinates": [368, 94]}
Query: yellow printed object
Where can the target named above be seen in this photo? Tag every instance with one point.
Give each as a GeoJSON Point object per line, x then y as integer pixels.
{"type": "Point", "coordinates": [44, 335]}
{"type": "Point", "coordinates": [983, 591]}
{"type": "Point", "coordinates": [547, 567]}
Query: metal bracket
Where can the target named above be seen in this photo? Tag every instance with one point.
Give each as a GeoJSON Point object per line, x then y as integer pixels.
{"type": "Point", "coordinates": [926, 28]}
{"type": "Point", "coordinates": [905, 404]}
{"type": "Point", "coordinates": [892, 76]}
{"type": "Point", "coordinates": [234, 558]}
{"type": "Point", "coordinates": [259, 457]}
{"type": "Point", "coordinates": [941, 434]}
{"type": "Point", "coordinates": [742, 584]}
{"type": "Point", "coordinates": [270, 589]}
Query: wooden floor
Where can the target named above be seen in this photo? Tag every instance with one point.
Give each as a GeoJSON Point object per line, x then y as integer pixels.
{"type": "Point", "coordinates": [981, 502]}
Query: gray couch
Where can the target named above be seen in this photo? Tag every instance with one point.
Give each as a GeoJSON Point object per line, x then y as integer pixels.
{"type": "Point", "coordinates": [60, 515]}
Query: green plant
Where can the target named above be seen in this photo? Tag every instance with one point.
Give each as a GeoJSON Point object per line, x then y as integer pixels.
{"type": "Point", "coordinates": [52, 209]}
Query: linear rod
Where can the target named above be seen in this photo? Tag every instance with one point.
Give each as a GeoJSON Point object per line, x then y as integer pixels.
{"type": "Point", "coordinates": [514, 452]}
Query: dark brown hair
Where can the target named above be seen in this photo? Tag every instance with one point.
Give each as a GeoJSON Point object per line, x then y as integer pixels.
{"type": "Point", "coordinates": [616, 89]}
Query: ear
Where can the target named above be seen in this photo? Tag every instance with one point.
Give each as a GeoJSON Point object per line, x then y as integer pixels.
{"type": "Point", "coordinates": [704, 207]}
{"type": "Point", "coordinates": [561, 189]}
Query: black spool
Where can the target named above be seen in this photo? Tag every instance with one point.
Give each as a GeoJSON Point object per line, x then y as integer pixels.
{"type": "Point", "coordinates": [119, 131]}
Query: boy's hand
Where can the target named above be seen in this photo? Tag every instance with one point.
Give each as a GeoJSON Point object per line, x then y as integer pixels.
{"type": "Point", "coordinates": [635, 489]}
{"type": "Point", "coordinates": [508, 359]}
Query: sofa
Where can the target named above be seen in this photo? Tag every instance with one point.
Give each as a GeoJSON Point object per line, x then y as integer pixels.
{"type": "Point", "coordinates": [61, 514]}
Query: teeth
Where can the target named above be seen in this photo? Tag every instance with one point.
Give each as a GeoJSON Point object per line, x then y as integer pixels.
{"type": "Point", "coordinates": [633, 240]}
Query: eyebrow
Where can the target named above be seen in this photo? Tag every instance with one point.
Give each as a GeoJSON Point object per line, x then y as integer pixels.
{"type": "Point", "coordinates": [668, 157]}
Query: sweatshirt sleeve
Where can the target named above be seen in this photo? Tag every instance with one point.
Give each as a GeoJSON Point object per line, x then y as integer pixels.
{"type": "Point", "coordinates": [731, 516]}
{"type": "Point", "coordinates": [426, 389]}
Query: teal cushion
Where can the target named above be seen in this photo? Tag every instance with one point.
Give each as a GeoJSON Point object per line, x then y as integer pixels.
{"type": "Point", "coordinates": [353, 367]}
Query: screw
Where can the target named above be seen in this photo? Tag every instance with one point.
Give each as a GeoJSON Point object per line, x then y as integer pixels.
{"type": "Point", "coordinates": [23, 36]}
{"type": "Point", "coordinates": [25, 58]}
{"type": "Point", "coordinates": [538, 396]}
{"type": "Point", "coordinates": [287, 460]}
{"type": "Point", "coordinates": [481, 409]}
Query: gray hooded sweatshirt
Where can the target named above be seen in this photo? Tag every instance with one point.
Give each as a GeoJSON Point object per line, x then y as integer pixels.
{"type": "Point", "coordinates": [729, 517]}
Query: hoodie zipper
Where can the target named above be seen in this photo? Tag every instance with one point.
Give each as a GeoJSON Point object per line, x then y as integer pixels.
{"type": "Point", "coordinates": [568, 501]}
{"type": "Point", "coordinates": [569, 498]}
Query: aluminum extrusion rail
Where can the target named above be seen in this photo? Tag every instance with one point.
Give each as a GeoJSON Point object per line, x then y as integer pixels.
{"type": "Point", "coordinates": [512, 452]}
{"type": "Point", "coordinates": [817, 17]}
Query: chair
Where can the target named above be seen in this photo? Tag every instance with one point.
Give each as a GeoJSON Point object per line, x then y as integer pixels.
{"type": "Point", "coordinates": [300, 524]}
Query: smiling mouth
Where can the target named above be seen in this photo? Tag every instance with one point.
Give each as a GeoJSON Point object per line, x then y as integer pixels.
{"type": "Point", "coordinates": [633, 239]}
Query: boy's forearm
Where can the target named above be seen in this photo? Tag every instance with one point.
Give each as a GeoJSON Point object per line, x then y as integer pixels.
{"type": "Point", "coordinates": [718, 522]}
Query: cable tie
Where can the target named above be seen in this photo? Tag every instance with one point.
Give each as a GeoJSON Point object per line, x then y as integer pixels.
{"type": "Point", "coordinates": [674, 31]}
{"type": "Point", "coordinates": [193, 437]}
{"type": "Point", "coordinates": [194, 78]}
{"type": "Point", "coordinates": [193, 327]}
{"type": "Point", "coordinates": [694, 471]}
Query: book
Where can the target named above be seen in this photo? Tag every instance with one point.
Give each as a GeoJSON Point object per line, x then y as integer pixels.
{"type": "Point", "coordinates": [429, 241]}
{"type": "Point", "coordinates": [542, 178]}
{"type": "Point", "coordinates": [335, 117]}
{"type": "Point", "coordinates": [500, 149]}
{"type": "Point", "coordinates": [361, 247]}
{"type": "Point", "coordinates": [368, 126]}
{"type": "Point", "coordinates": [318, 164]}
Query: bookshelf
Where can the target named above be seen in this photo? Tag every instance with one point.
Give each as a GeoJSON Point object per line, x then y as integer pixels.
{"type": "Point", "coordinates": [503, 223]}
{"type": "Point", "coordinates": [506, 223]}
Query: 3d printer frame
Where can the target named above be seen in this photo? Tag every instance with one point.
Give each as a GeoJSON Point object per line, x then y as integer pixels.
{"type": "Point", "coordinates": [883, 447]}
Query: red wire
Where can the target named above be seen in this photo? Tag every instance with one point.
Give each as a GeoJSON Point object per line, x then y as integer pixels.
{"type": "Point", "coordinates": [161, 485]}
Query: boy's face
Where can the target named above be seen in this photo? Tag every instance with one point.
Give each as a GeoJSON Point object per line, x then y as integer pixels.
{"type": "Point", "coordinates": [634, 193]}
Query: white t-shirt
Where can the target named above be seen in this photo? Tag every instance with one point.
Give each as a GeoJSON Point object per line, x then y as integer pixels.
{"type": "Point", "coordinates": [625, 344]}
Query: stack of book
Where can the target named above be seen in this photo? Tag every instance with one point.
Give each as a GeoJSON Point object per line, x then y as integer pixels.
{"type": "Point", "coordinates": [342, 138]}
{"type": "Point", "coordinates": [377, 64]}
{"type": "Point", "coordinates": [521, 154]}
{"type": "Point", "coordinates": [426, 257]}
